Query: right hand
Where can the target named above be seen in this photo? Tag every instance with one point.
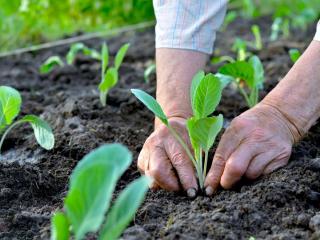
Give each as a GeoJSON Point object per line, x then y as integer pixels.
{"type": "Point", "coordinates": [163, 158]}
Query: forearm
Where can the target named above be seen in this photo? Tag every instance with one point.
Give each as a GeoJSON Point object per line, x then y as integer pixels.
{"type": "Point", "coordinates": [297, 96]}
{"type": "Point", "coordinates": [175, 69]}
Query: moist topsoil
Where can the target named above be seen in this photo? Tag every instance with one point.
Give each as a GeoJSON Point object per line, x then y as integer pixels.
{"type": "Point", "coordinates": [33, 182]}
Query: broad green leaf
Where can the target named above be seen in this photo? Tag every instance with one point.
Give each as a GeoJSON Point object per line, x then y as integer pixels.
{"type": "Point", "coordinates": [195, 145]}
{"type": "Point", "coordinates": [10, 103]}
{"type": "Point", "coordinates": [204, 131]}
{"type": "Point", "coordinates": [195, 83]}
{"type": "Point", "coordinates": [151, 69]}
{"type": "Point", "coordinates": [91, 186]}
{"type": "Point", "coordinates": [120, 55]}
{"type": "Point", "coordinates": [75, 48]}
{"type": "Point", "coordinates": [224, 79]}
{"type": "Point", "coordinates": [59, 227]}
{"type": "Point", "coordinates": [151, 104]}
{"type": "Point", "coordinates": [239, 70]}
{"type": "Point", "coordinates": [207, 96]}
{"type": "Point", "coordinates": [42, 131]}
{"type": "Point", "coordinates": [124, 209]}
{"type": "Point", "coordinates": [258, 71]}
{"type": "Point", "coordinates": [294, 55]}
{"type": "Point", "coordinates": [105, 58]}
{"type": "Point", "coordinates": [50, 64]}
{"type": "Point", "coordinates": [110, 80]}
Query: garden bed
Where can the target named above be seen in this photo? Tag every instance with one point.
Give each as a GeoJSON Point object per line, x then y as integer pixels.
{"type": "Point", "coordinates": [33, 182]}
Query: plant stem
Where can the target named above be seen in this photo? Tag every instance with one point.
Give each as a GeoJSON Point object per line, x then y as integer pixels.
{"type": "Point", "coordinates": [206, 153]}
{"type": "Point", "coordinates": [7, 131]}
{"type": "Point", "coordinates": [103, 98]}
{"type": "Point", "coordinates": [186, 148]}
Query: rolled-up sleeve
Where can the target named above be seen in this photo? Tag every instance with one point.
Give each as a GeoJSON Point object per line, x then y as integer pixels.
{"type": "Point", "coordinates": [317, 36]}
{"type": "Point", "coordinates": [188, 24]}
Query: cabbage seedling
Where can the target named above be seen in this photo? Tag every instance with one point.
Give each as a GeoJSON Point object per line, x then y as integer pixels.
{"type": "Point", "coordinates": [246, 74]}
{"type": "Point", "coordinates": [109, 75]}
{"type": "Point", "coordinates": [149, 70]}
{"type": "Point", "coordinates": [294, 55]}
{"type": "Point", "coordinates": [10, 103]}
{"type": "Point", "coordinates": [80, 47]}
{"type": "Point", "coordinates": [87, 204]}
{"type": "Point", "coordinates": [205, 95]}
{"type": "Point", "coordinates": [51, 63]}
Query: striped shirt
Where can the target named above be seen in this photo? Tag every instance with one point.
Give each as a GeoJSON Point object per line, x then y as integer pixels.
{"type": "Point", "coordinates": [191, 24]}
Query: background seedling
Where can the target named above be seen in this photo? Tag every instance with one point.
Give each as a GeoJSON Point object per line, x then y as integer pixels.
{"type": "Point", "coordinates": [109, 76]}
{"type": "Point", "coordinates": [80, 47]}
{"type": "Point", "coordinates": [149, 70]}
{"type": "Point", "coordinates": [51, 63]}
{"type": "Point", "coordinates": [10, 103]}
{"type": "Point", "coordinates": [294, 55]}
{"type": "Point", "coordinates": [205, 95]}
{"type": "Point", "coordinates": [246, 74]}
{"type": "Point", "coordinates": [91, 186]}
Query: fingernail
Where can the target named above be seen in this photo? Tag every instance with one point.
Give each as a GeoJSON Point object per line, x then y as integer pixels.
{"type": "Point", "coordinates": [209, 191]}
{"type": "Point", "coordinates": [192, 193]}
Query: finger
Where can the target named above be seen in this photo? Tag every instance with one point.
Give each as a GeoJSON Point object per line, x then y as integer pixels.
{"type": "Point", "coordinates": [237, 165]}
{"type": "Point", "coordinates": [161, 170]}
{"type": "Point", "coordinates": [228, 143]}
{"type": "Point", "coordinates": [275, 164]}
{"type": "Point", "coordinates": [154, 185]}
{"type": "Point", "coordinates": [143, 160]}
{"type": "Point", "coordinates": [259, 163]}
{"type": "Point", "coordinates": [184, 168]}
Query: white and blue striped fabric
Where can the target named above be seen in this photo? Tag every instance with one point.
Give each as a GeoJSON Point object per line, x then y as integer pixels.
{"type": "Point", "coordinates": [191, 24]}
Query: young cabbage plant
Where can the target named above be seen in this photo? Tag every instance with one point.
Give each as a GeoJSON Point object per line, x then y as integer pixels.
{"type": "Point", "coordinates": [87, 204]}
{"type": "Point", "coordinates": [109, 75]}
{"type": "Point", "coordinates": [205, 95]}
{"type": "Point", "coordinates": [249, 77]}
{"type": "Point", "coordinates": [80, 47]}
{"type": "Point", "coordinates": [51, 63]}
{"type": "Point", "coordinates": [10, 103]}
{"type": "Point", "coordinates": [294, 55]}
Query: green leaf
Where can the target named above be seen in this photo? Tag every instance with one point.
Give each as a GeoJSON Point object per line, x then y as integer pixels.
{"type": "Point", "coordinates": [105, 58]}
{"type": "Point", "coordinates": [294, 55]}
{"type": "Point", "coordinates": [258, 71]}
{"type": "Point", "coordinates": [195, 83]}
{"type": "Point", "coordinates": [59, 227]}
{"type": "Point", "coordinates": [124, 209]}
{"type": "Point", "coordinates": [257, 35]}
{"type": "Point", "coordinates": [10, 103]}
{"type": "Point", "coordinates": [204, 131]}
{"type": "Point", "coordinates": [50, 64]}
{"type": "Point", "coordinates": [207, 96]}
{"type": "Point", "coordinates": [195, 145]}
{"type": "Point", "coordinates": [42, 131]}
{"type": "Point", "coordinates": [240, 69]}
{"type": "Point", "coordinates": [151, 104]}
{"type": "Point", "coordinates": [75, 48]}
{"type": "Point", "coordinates": [110, 80]}
{"type": "Point", "coordinates": [224, 79]}
{"type": "Point", "coordinates": [151, 69]}
{"type": "Point", "coordinates": [91, 53]}
{"type": "Point", "coordinates": [120, 55]}
{"type": "Point", "coordinates": [91, 186]}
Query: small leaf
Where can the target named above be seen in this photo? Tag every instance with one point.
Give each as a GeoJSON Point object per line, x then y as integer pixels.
{"type": "Point", "coordinates": [91, 53]}
{"type": "Point", "coordinates": [294, 55]}
{"type": "Point", "coordinates": [50, 64]}
{"type": "Point", "coordinates": [105, 58]}
{"type": "Point", "coordinates": [207, 96]}
{"type": "Point", "coordinates": [120, 55]}
{"type": "Point", "coordinates": [151, 69]}
{"type": "Point", "coordinates": [151, 104]}
{"type": "Point", "coordinates": [204, 130]}
{"type": "Point", "coordinates": [110, 80]}
{"type": "Point", "coordinates": [224, 79]}
{"type": "Point", "coordinates": [195, 83]}
{"type": "Point", "coordinates": [241, 70]}
{"type": "Point", "coordinates": [124, 209]}
{"type": "Point", "coordinates": [42, 131]}
{"type": "Point", "coordinates": [91, 186]}
{"type": "Point", "coordinates": [59, 227]}
{"type": "Point", "coordinates": [10, 103]}
{"type": "Point", "coordinates": [75, 48]}
{"type": "Point", "coordinates": [258, 71]}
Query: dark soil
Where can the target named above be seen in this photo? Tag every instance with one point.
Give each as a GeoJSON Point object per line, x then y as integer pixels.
{"type": "Point", "coordinates": [283, 205]}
